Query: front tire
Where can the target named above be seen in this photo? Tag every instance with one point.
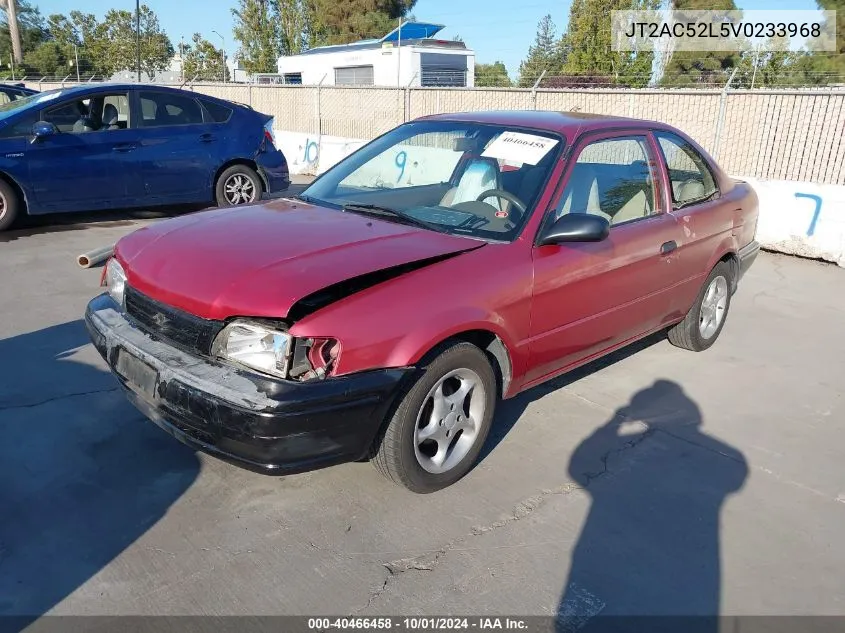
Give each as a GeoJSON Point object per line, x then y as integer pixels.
{"type": "Point", "coordinates": [705, 320]}
{"type": "Point", "coordinates": [441, 423]}
{"type": "Point", "coordinates": [237, 185]}
{"type": "Point", "coordinates": [9, 205]}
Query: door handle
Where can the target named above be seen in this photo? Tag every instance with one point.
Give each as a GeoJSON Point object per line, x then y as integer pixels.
{"type": "Point", "coordinates": [207, 138]}
{"type": "Point", "coordinates": [668, 247]}
{"type": "Point", "coordinates": [124, 147]}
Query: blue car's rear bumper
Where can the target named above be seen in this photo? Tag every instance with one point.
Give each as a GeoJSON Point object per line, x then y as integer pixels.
{"type": "Point", "coordinates": [274, 170]}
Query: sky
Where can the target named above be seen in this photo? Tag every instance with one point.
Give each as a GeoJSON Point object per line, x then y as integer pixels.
{"type": "Point", "coordinates": [496, 29]}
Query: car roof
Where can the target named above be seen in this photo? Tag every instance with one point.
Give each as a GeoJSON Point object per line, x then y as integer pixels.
{"type": "Point", "coordinates": [100, 86]}
{"type": "Point", "coordinates": [552, 121]}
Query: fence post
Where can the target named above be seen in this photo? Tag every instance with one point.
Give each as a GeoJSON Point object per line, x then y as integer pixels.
{"type": "Point", "coordinates": [534, 88]}
{"type": "Point", "coordinates": [721, 118]}
{"type": "Point", "coordinates": [319, 122]}
{"type": "Point", "coordinates": [250, 94]}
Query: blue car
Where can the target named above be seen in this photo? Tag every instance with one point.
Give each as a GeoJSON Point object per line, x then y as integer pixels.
{"type": "Point", "coordinates": [113, 145]}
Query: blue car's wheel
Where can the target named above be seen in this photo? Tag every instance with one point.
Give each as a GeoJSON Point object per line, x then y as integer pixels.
{"type": "Point", "coordinates": [9, 204]}
{"type": "Point", "coordinates": [237, 185]}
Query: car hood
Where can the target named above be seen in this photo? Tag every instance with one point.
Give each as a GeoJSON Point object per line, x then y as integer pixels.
{"type": "Point", "coordinates": [260, 260]}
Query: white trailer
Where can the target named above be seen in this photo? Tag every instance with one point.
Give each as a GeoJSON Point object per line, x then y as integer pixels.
{"type": "Point", "coordinates": [407, 56]}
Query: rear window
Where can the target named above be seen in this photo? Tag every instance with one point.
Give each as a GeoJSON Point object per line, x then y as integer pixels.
{"type": "Point", "coordinates": [218, 112]}
{"type": "Point", "coordinates": [164, 108]}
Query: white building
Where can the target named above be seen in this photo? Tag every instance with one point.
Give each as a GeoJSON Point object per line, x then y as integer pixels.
{"type": "Point", "coordinates": [407, 56]}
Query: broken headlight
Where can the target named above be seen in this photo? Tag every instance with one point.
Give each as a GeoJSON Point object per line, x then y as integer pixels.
{"type": "Point", "coordinates": [116, 281]}
{"type": "Point", "coordinates": [255, 346]}
{"type": "Point", "coordinates": [273, 351]}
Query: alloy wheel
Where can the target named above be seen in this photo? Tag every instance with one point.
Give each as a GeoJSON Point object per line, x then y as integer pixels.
{"type": "Point", "coordinates": [449, 420]}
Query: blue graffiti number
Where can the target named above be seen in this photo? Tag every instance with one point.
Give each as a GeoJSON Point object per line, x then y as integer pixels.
{"type": "Point", "coordinates": [818, 210]}
{"type": "Point", "coordinates": [401, 161]}
{"type": "Point", "coordinates": [310, 156]}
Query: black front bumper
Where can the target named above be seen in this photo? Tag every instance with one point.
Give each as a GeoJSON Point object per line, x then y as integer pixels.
{"type": "Point", "coordinates": [269, 426]}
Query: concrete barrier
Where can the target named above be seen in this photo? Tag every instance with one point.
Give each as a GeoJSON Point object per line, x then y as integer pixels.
{"type": "Point", "coordinates": [802, 218]}
{"type": "Point", "coordinates": [796, 218]}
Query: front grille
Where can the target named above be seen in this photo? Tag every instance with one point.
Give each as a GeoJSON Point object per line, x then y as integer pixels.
{"type": "Point", "coordinates": [183, 330]}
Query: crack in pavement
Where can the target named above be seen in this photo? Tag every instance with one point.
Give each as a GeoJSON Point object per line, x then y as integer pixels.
{"type": "Point", "coordinates": [428, 561]}
{"type": "Point", "coordinates": [30, 405]}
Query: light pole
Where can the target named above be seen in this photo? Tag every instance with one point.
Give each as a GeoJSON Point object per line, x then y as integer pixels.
{"type": "Point", "coordinates": [222, 55]}
{"type": "Point", "coordinates": [138, 38]}
{"type": "Point", "coordinates": [76, 55]}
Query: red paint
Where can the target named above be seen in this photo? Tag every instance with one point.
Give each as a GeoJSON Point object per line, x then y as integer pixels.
{"type": "Point", "coordinates": [553, 307]}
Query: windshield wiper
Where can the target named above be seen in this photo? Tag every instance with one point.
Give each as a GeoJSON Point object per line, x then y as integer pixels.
{"type": "Point", "coordinates": [376, 209]}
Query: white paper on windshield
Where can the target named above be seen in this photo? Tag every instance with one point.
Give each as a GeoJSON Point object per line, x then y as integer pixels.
{"type": "Point", "coordinates": [520, 147]}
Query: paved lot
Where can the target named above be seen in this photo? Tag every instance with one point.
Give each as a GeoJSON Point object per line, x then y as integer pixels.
{"type": "Point", "coordinates": [661, 481]}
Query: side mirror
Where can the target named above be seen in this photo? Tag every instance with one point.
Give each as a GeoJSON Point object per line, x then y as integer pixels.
{"type": "Point", "coordinates": [575, 227]}
{"type": "Point", "coordinates": [43, 129]}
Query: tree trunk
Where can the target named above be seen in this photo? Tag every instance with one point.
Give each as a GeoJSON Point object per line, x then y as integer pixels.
{"type": "Point", "coordinates": [14, 31]}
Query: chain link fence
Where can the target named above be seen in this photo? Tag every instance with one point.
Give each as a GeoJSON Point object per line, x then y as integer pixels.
{"type": "Point", "coordinates": [768, 134]}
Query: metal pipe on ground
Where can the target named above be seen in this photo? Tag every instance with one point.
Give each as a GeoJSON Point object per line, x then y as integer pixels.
{"type": "Point", "coordinates": [92, 258]}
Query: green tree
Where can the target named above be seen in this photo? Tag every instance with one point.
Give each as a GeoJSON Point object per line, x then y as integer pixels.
{"type": "Point", "coordinates": [113, 43]}
{"type": "Point", "coordinates": [493, 75]}
{"type": "Point", "coordinates": [299, 28]}
{"type": "Point", "coordinates": [47, 59]}
{"type": "Point", "coordinates": [30, 24]}
{"type": "Point", "coordinates": [352, 20]}
{"type": "Point", "coordinates": [256, 29]}
{"type": "Point", "coordinates": [204, 61]}
{"type": "Point", "coordinates": [690, 68]}
{"type": "Point", "coordinates": [589, 55]}
{"type": "Point", "coordinates": [546, 53]}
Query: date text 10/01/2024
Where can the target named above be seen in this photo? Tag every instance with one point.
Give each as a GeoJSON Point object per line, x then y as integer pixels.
{"type": "Point", "coordinates": [416, 623]}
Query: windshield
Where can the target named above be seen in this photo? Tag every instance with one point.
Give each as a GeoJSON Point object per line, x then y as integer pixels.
{"type": "Point", "coordinates": [463, 178]}
{"type": "Point", "coordinates": [12, 107]}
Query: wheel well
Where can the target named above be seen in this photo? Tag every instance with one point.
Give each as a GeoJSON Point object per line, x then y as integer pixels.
{"type": "Point", "coordinates": [733, 261]}
{"type": "Point", "coordinates": [496, 352]}
{"type": "Point", "coordinates": [240, 161]}
{"type": "Point", "coordinates": [18, 191]}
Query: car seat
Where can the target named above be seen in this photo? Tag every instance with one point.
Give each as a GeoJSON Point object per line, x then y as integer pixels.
{"type": "Point", "coordinates": [480, 175]}
{"type": "Point", "coordinates": [111, 117]}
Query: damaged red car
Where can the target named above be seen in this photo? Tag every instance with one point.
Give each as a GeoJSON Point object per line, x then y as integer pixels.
{"type": "Point", "coordinates": [453, 262]}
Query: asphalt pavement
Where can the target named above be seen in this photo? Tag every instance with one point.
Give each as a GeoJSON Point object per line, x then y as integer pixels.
{"type": "Point", "coordinates": [658, 481]}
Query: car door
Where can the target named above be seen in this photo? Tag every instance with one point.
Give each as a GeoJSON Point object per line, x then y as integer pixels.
{"type": "Point", "coordinates": [590, 297]}
{"type": "Point", "coordinates": [82, 166]}
{"type": "Point", "coordinates": [174, 159]}
{"type": "Point", "coordinates": [696, 201]}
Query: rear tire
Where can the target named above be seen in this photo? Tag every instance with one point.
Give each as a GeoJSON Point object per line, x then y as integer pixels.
{"type": "Point", "coordinates": [237, 185]}
{"type": "Point", "coordinates": [10, 205]}
{"type": "Point", "coordinates": [441, 423]}
{"type": "Point", "coordinates": [705, 320]}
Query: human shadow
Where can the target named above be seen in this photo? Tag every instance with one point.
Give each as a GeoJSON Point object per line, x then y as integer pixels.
{"type": "Point", "coordinates": [649, 547]}
{"type": "Point", "coordinates": [82, 474]}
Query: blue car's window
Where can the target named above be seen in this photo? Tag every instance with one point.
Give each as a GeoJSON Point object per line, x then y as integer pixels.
{"type": "Point", "coordinates": [218, 112]}
{"type": "Point", "coordinates": [96, 113]}
{"type": "Point", "coordinates": [162, 108]}
{"type": "Point", "coordinates": [11, 107]}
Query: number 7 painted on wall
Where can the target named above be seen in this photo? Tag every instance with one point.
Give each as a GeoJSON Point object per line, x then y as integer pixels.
{"type": "Point", "coordinates": [818, 201]}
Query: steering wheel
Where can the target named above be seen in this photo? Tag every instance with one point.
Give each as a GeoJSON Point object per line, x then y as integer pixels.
{"type": "Point", "coordinates": [505, 195]}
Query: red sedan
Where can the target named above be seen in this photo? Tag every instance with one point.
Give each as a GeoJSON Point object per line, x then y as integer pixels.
{"type": "Point", "coordinates": [452, 262]}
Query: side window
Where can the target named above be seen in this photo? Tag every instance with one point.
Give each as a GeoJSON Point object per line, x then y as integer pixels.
{"type": "Point", "coordinates": [218, 112]}
{"type": "Point", "coordinates": [22, 127]}
{"type": "Point", "coordinates": [6, 97]}
{"type": "Point", "coordinates": [98, 113]}
{"type": "Point", "coordinates": [611, 178]}
{"type": "Point", "coordinates": [691, 178]}
{"type": "Point", "coordinates": [160, 108]}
